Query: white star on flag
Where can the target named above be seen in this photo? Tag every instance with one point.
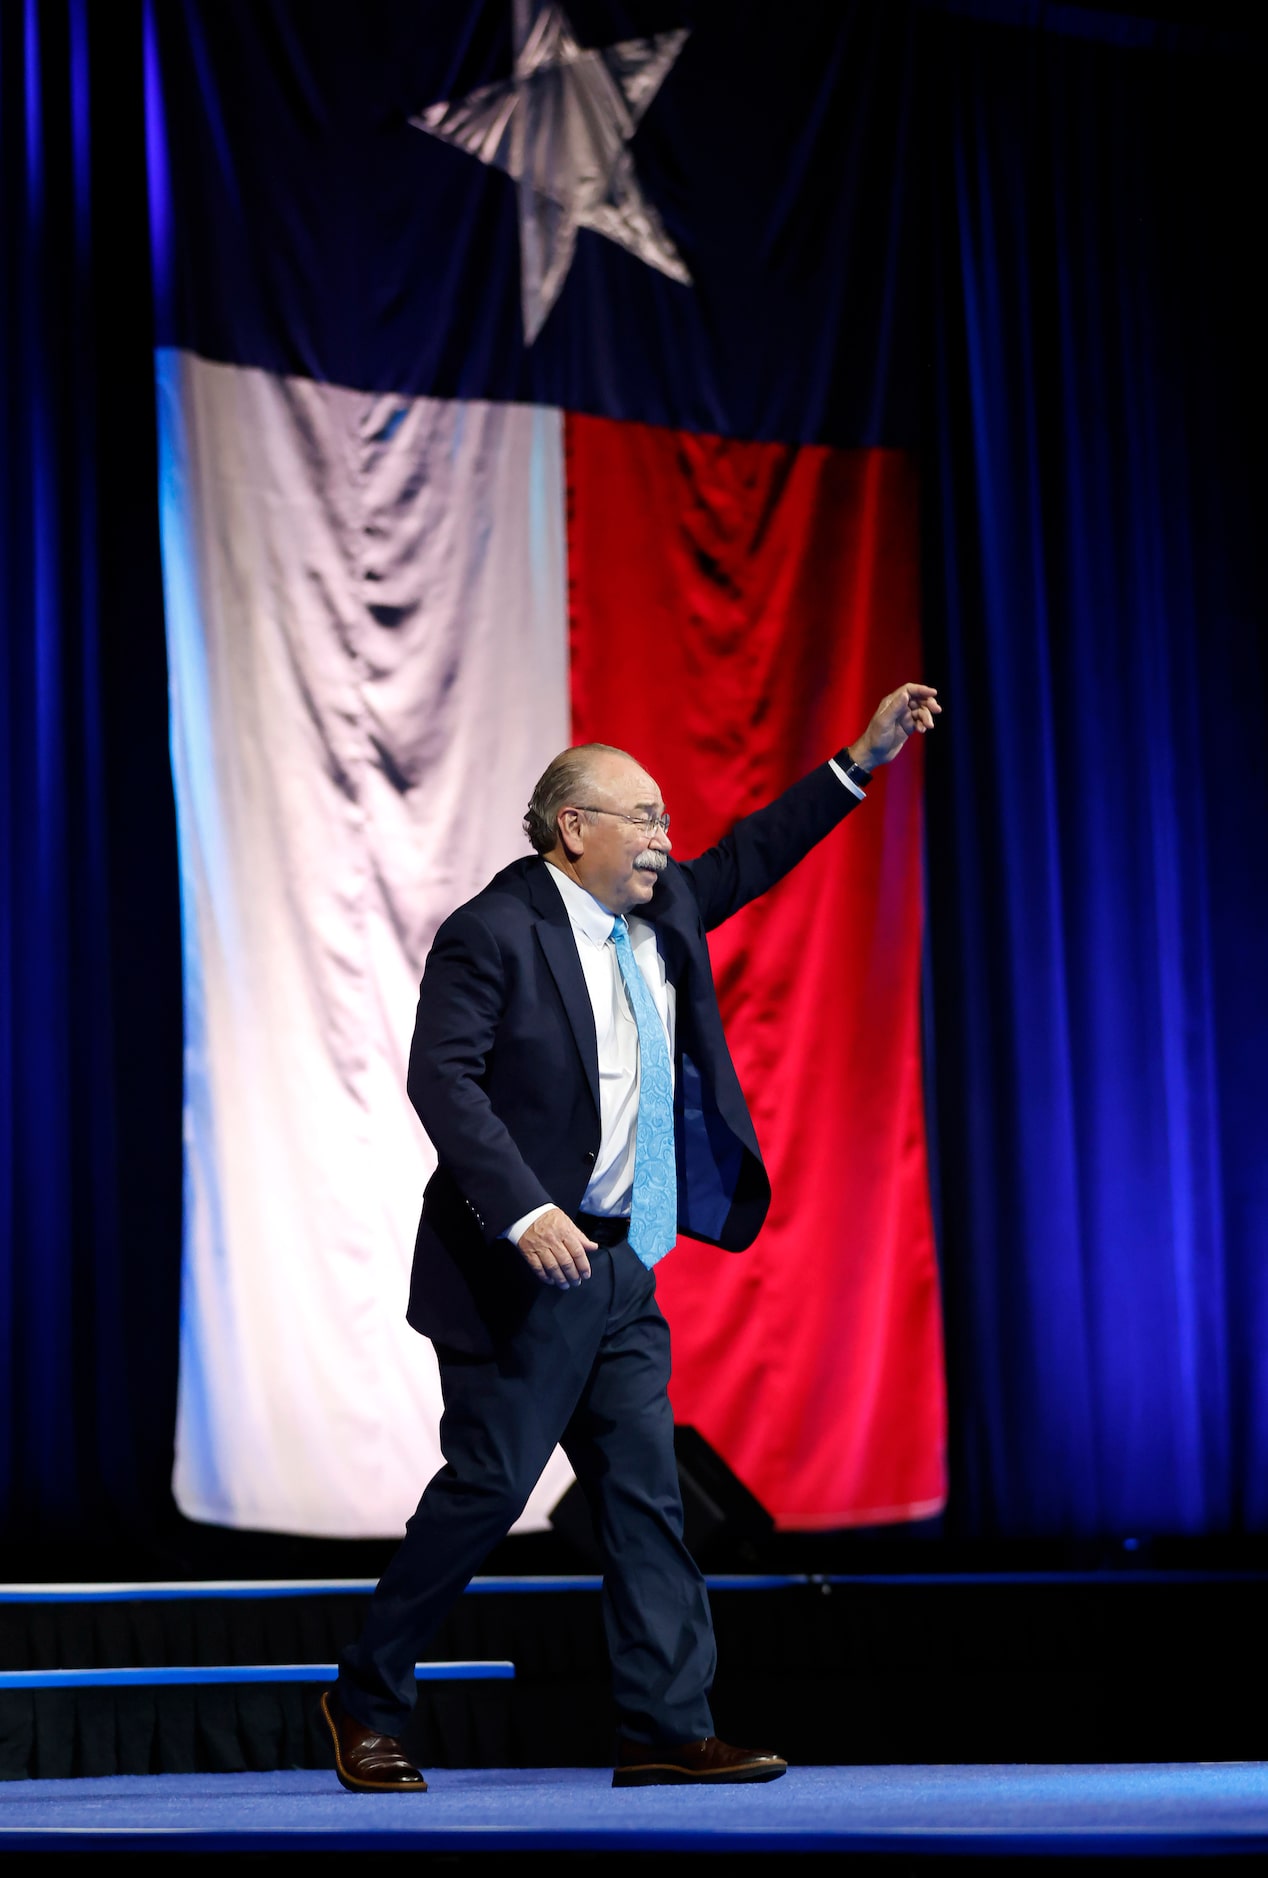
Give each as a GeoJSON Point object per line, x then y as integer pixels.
{"type": "Point", "coordinates": [561, 125]}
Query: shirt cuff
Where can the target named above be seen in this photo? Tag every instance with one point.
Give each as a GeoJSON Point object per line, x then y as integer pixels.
{"type": "Point", "coordinates": [516, 1232]}
{"type": "Point", "coordinates": [837, 771]}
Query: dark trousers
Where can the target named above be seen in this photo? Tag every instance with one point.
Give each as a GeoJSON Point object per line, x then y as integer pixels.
{"type": "Point", "coordinates": [588, 1368]}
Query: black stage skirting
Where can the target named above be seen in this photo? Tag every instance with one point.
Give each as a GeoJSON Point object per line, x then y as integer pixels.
{"type": "Point", "coordinates": [854, 1671]}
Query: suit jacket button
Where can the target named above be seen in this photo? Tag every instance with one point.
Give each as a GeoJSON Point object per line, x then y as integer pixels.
{"type": "Point", "coordinates": [589, 1154]}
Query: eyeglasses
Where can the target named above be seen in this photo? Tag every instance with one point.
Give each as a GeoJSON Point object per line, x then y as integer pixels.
{"type": "Point", "coordinates": [650, 824]}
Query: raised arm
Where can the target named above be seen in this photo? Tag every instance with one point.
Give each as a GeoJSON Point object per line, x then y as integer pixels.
{"type": "Point", "coordinates": [761, 848]}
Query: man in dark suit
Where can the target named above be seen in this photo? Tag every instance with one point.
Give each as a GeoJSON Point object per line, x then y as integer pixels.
{"type": "Point", "coordinates": [570, 1067]}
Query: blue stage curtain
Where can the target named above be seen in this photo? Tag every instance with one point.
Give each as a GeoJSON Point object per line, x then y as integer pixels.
{"type": "Point", "coordinates": [87, 1315]}
{"type": "Point", "coordinates": [1093, 423]}
{"type": "Point", "coordinates": [1099, 900]}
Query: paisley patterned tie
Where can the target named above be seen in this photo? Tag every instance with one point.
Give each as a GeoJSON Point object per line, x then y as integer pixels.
{"type": "Point", "coordinates": [654, 1210]}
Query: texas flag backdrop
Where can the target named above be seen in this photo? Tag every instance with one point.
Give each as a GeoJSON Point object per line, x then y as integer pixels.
{"type": "Point", "coordinates": [529, 376]}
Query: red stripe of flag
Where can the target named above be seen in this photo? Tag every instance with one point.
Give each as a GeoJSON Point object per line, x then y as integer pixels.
{"type": "Point", "coordinates": [737, 610]}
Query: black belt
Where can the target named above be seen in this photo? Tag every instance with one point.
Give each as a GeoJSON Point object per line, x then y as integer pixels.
{"type": "Point", "coordinates": [604, 1231]}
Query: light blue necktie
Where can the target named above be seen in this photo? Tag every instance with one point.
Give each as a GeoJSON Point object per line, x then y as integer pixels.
{"type": "Point", "coordinates": [654, 1209]}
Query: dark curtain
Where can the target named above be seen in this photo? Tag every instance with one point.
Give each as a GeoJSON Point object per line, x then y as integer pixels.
{"type": "Point", "coordinates": [1092, 416]}
{"type": "Point", "coordinates": [1095, 607]}
{"type": "Point", "coordinates": [89, 961]}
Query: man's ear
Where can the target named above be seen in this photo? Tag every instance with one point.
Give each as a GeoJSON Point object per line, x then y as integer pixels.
{"type": "Point", "coordinates": [568, 828]}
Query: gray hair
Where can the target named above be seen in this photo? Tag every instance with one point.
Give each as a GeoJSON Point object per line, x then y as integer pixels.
{"type": "Point", "coordinates": [562, 781]}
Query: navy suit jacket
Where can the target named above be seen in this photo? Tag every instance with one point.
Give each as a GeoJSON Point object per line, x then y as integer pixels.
{"type": "Point", "coordinates": [504, 1068]}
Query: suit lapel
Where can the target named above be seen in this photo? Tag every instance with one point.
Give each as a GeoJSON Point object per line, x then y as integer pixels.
{"type": "Point", "coordinates": [559, 948]}
{"type": "Point", "coordinates": [664, 913]}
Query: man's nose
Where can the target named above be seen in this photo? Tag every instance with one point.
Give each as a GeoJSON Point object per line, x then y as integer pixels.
{"type": "Point", "coordinates": [661, 840]}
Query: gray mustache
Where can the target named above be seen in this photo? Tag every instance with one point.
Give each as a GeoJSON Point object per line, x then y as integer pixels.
{"type": "Point", "coordinates": [653, 859]}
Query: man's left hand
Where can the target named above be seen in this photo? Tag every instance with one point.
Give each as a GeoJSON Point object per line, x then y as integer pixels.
{"type": "Point", "coordinates": [909, 709]}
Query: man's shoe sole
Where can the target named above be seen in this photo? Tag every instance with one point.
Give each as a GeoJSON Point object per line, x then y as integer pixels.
{"type": "Point", "coordinates": [350, 1781]}
{"type": "Point", "coordinates": [665, 1774]}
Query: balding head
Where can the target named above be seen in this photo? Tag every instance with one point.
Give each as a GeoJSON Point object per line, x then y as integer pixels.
{"type": "Point", "coordinates": [590, 816]}
{"type": "Point", "coordinates": [567, 778]}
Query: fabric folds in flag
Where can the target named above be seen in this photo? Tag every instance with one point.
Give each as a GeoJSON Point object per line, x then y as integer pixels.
{"type": "Point", "coordinates": [414, 543]}
{"type": "Point", "coordinates": [776, 588]}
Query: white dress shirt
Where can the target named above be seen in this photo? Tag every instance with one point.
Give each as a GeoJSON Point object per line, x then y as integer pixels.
{"type": "Point", "coordinates": [616, 1033]}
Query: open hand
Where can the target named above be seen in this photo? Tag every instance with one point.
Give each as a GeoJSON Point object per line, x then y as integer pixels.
{"type": "Point", "coordinates": [555, 1249]}
{"type": "Point", "coordinates": [909, 709]}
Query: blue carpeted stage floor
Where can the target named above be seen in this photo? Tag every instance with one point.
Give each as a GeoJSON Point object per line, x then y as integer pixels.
{"type": "Point", "coordinates": [1009, 1810]}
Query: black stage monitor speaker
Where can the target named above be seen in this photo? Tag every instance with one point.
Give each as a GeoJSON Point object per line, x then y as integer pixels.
{"type": "Point", "coordinates": [718, 1510]}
